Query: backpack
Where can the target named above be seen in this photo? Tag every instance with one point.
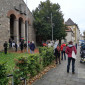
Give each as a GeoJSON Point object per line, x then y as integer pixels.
{"type": "Point", "coordinates": [58, 48]}
{"type": "Point", "coordinates": [64, 48]}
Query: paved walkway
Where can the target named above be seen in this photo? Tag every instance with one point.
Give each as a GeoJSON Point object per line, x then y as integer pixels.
{"type": "Point", "coordinates": [59, 76]}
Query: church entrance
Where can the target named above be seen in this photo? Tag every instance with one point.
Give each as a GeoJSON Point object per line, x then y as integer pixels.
{"type": "Point", "coordinates": [12, 19]}
{"type": "Point", "coordinates": [20, 28]}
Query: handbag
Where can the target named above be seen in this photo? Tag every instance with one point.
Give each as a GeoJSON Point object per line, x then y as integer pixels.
{"type": "Point", "coordinates": [73, 54]}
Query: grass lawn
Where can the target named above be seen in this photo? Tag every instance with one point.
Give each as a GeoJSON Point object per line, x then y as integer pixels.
{"type": "Point", "coordinates": [9, 59]}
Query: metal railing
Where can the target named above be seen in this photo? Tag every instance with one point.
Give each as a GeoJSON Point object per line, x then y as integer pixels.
{"type": "Point", "coordinates": [10, 75]}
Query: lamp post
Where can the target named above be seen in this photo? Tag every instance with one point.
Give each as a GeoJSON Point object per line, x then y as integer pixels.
{"type": "Point", "coordinates": [27, 24]}
{"type": "Point", "coordinates": [52, 26]}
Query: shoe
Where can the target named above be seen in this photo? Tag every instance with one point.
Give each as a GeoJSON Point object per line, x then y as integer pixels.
{"type": "Point", "coordinates": [56, 63]}
{"type": "Point", "coordinates": [59, 63]}
{"type": "Point", "coordinates": [73, 72]}
{"type": "Point", "coordinates": [67, 72]}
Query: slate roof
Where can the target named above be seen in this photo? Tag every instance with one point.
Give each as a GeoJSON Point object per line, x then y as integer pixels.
{"type": "Point", "coordinates": [69, 22]}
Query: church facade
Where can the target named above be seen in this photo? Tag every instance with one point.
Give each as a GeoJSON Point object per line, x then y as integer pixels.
{"type": "Point", "coordinates": [14, 17]}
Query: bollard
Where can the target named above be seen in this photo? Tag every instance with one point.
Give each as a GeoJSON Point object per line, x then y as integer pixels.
{"type": "Point", "coordinates": [25, 81]}
{"type": "Point", "coordinates": [10, 75]}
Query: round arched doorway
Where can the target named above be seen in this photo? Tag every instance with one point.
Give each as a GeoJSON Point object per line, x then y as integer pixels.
{"type": "Point", "coordinates": [20, 28]}
{"type": "Point", "coordinates": [12, 21]}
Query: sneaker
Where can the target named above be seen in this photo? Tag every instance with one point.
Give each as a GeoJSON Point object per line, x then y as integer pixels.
{"type": "Point", "coordinates": [73, 72]}
{"type": "Point", "coordinates": [59, 63]}
{"type": "Point", "coordinates": [67, 72]}
{"type": "Point", "coordinates": [56, 63]}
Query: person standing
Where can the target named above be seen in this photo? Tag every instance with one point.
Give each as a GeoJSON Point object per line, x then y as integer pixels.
{"type": "Point", "coordinates": [5, 47]}
{"type": "Point", "coordinates": [63, 47]}
{"type": "Point", "coordinates": [68, 51]}
{"type": "Point", "coordinates": [15, 47]}
{"type": "Point", "coordinates": [32, 47]}
{"type": "Point", "coordinates": [22, 45]}
{"type": "Point", "coordinates": [10, 42]}
{"type": "Point", "coordinates": [57, 54]}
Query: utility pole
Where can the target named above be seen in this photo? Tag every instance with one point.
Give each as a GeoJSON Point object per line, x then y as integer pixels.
{"type": "Point", "coordinates": [27, 24]}
{"type": "Point", "coordinates": [52, 26]}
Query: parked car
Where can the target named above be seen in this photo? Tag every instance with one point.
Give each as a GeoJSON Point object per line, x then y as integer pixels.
{"type": "Point", "coordinates": [82, 54]}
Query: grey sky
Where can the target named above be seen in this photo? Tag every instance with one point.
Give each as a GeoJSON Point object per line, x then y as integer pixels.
{"type": "Point", "coordinates": [74, 9]}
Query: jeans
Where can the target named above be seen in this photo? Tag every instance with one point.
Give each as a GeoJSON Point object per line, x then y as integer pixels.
{"type": "Point", "coordinates": [73, 64]}
{"type": "Point", "coordinates": [32, 52]}
{"type": "Point", "coordinates": [5, 50]}
{"type": "Point", "coordinates": [63, 52]}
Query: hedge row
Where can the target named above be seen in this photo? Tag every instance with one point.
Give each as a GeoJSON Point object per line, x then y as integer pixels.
{"type": "Point", "coordinates": [30, 65]}
{"type": "Point", "coordinates": [3, 75]}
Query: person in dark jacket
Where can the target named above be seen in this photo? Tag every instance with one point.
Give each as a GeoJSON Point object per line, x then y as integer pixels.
{"type": "Point", "coordinates": [15, 47]}
{"type": "Point", "coordinates": [5, 47]}
{"type": "Point", "coordinates": [32, 47]}
{"type": "Point", "coordinates": [10, 42]}
{"type": "Point", "coordinates": [25, 45]}
{"type": "Point", "coordinates": [22, 45]}
{"type": "Point", "coordinates": [57, 54]}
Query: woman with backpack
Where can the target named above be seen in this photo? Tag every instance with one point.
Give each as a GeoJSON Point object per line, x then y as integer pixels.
{"type": "Point", "coordinates": [57, 54]}
{"type": "Point", "coordinates": [63, 48]}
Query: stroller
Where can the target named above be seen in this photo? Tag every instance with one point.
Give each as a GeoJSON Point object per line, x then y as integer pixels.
{"type": "Point", "coordinates": [82, 53]}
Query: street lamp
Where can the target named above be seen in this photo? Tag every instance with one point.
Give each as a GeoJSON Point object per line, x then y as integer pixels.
{"type": "Point", "coordinates": [52, 26]}
{"type": "Point", "coordinates": [27, 24]}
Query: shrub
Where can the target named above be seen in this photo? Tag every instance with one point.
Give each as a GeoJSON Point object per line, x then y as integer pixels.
{"type": "Point", "coordinates": [47, 54]}
{"type": "Point", "coordinates": [3, 74]}
{"type": "Point", "coordinates": [21, 70]}
{"type": "Point", "coordinates": [34, 64]}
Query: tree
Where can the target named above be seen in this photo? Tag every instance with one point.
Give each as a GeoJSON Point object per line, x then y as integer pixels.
{"type": "Point", "coordinates": [42, 22]}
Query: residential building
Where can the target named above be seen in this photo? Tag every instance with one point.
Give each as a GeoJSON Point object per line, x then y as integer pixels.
{"type": "Point", "coordinates": [74, 27]}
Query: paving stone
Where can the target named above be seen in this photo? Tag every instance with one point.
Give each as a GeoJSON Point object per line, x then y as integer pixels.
{"type": "Point", "coordinates": [59, 76]}
{"type": "Point", "coordinates": [54, 83]}
{"type": "Point", "coordinates": [62, 81]}
{"type": "Point", "coordinates": [78, 83]}
{"type": "Point", "coordinates": [63, 84]}
{"type": "Point", "coordinates": [70, 82]}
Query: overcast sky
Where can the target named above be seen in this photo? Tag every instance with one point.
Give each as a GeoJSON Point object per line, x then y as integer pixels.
{"type": "Point", "coordinates": [74, 9]}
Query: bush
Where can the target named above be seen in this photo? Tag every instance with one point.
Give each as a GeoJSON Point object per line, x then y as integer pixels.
{"type": "Point", "coordinates": [32, 64]}
{"type": "Point", "coordinates": [21, 70]}
{"type": "Point", "coordinates": [47, 54]}
{"type": "Point", "coordinates": [3, 74]}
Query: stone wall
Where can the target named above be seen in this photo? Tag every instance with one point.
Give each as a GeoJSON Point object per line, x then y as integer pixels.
{"type": "Point", "coordinates": [5, 7]}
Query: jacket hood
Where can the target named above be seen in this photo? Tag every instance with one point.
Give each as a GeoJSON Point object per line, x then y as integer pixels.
{"type": "Point", "coordinates": [70, 45]}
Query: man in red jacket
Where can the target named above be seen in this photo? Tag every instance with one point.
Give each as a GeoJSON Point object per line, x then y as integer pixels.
{"type": "Point", "coordinates": [63, 51]}
{"type": "Point", "coordinates": [68, 51]}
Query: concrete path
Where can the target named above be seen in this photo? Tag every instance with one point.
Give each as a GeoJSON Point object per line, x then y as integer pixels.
{"type": "Point", "coordinates": [59, 76]}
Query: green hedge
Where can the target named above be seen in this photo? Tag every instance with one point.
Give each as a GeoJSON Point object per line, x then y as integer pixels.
{"type": "Point", "coordinates": [3, 74]}
{"type": "Point", "coordinates": [32, 64]}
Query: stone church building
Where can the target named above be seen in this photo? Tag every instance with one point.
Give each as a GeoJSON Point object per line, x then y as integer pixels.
{"type": "Point", "coordinates": [14, 15]}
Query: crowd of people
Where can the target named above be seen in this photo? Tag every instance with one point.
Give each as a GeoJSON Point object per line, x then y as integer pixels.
{"type": "Point", "coordinates": [22, 45]}
{"type": "Point", "coordinates": [63, 50]}
{"type": "Point", "coordinates": [60, 51]}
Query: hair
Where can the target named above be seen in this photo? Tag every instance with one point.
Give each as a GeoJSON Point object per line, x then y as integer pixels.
{"type": "Point", "coordinates": [70, 42]}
